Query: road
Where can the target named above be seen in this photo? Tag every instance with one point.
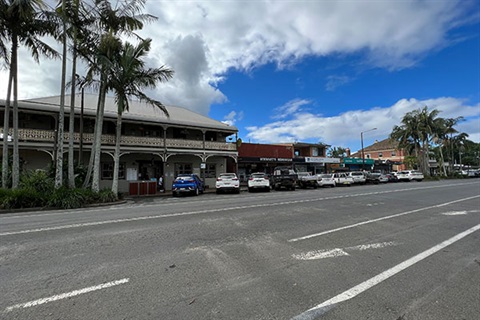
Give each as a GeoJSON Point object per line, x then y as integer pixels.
{"type": "Point", "coordinates": [396, 251]}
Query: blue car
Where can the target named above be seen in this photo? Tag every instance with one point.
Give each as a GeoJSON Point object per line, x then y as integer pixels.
{"type": "Point", "coordinates": [187, 184]}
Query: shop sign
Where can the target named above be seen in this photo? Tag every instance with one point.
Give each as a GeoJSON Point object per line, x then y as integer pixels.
{"type": "Point", "coordinates": [321, 160]}
{"type": "Point", "coordinates": [358, 161]}
{"type": "Point", "coordinates": [264, 159]}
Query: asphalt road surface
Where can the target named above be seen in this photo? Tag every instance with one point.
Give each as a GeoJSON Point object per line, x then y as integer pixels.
{"type": "Point", "coordinates": [396, 251]}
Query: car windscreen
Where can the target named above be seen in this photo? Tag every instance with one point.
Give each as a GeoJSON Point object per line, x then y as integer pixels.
{"type": "Point", "coordinates": [184, 178]}
{"type": "Point", "coordinates": [228, 176]}
{"type": "Point", "coordinates": [258, 176]}
{"type": "Point", "coordinates": [325, 176]}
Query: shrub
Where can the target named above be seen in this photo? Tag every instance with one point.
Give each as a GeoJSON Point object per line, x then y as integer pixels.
{"type": "Point", "coordinates": [22, 198]}
{"type": "Point", "coordinates": [106, 195]}
{"type": "Point", "coordinates": [37, 180]}
{"type": "Point", "coordinates": [65, 198]}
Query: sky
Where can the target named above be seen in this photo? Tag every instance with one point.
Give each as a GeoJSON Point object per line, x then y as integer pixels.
{"type": "Point", "coordinates": [306, 70]}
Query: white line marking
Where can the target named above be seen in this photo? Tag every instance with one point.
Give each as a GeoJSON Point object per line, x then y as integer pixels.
{"type": "Point", "coordinates": [454, 213]}
{"type": "Point", "coordinates": [380, 245]}
{"type": "Point", "coordinates": [87, 224]}
{"type": "Point", "coordinates": [338, 252]}
{"type": "Point", "coordinates": [321, 254]}
{"type": "Point", "coordinates": [67, 295]}
{"type": "Point", "coordinates": [362, 287]}
{"type": "Point", "coordinates": [378, 219]}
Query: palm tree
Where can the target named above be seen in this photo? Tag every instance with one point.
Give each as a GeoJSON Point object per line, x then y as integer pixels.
{"type": "Point", "coordinates": [111, 22]}
{"type": "Point", "coordinates": [407, 134]}
{"type": "Point", "coordinates": [428, 126]}
{"type": "Point", "coordinates": [128, 77]}
{"type": "Point", "coordinates": [22, 22]}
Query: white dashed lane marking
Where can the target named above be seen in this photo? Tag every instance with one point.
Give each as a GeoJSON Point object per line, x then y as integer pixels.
{"type": "Point", "coordinates": [324, 307]}
{"type": "Point", "coordinates": [66, 295]}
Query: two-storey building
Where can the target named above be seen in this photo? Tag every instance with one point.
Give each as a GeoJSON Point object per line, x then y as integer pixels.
{"type": "Point", "coordinates": [382, 155]}
{"type": "Point", "coordinates": [152, 144]}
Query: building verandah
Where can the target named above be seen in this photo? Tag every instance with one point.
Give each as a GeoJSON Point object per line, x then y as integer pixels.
{"type": "Point", "coordinates": [152, 145]}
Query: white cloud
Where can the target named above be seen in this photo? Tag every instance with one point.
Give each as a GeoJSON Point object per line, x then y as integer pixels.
{"type": "Point", "coordinates": [202, 40]}
{"type": "Point", "coordinates": [291, 107]}
{"type": "Point", "coordinates": [344, 129]}
{"type": "Point", "coordinates": [233, 117]}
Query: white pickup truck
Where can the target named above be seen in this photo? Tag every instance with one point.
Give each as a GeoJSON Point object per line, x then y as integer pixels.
{"type": "Point", "coordinates": [305, 180]}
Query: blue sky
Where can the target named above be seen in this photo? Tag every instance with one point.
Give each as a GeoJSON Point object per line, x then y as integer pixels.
{"type": "Point", "coordinates": [311, 71]}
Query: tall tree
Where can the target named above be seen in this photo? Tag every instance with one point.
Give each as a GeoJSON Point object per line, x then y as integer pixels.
{"type": "Point", "coordinates": [129, 76]}
{"type": "Point", "coordinates": [111, 22]}
{"type": "Point", "coordinates": [22, 22]}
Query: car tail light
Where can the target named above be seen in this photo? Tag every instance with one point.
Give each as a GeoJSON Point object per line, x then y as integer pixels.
{"type": "Point", "coordinates": [265, 177]}
{"type": "Point", "coordinates": [235, 179]}
{"type": "Point", "coordinates": [219, 179]}
{"type": "Point", "coordinates": [251, 179]}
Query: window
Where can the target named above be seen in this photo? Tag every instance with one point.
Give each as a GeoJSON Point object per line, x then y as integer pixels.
{"type": "Point", "coordinates": [183, 168]}
{"type": "Point", "coordinates": [367, 156]}
{"type": "Point", "coordinates": [211, 170]}
{"type": "Point", "coordinates": [394, 153]}
{"type": "Point", "coordinates": [107, 171]}
{"type": "Point", "coordinates": [380, 154]}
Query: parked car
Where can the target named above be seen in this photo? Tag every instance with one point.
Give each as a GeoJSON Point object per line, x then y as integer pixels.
{"type": "Point", "coordinates": [187, 184]}
{"type": "Point", "coordinates": [326, 180]}
{"type": "Point", "coordinates": [306, 180]}
{"type": "Point", "coordinates": [227, 182]}
{"type": "Point", "coordinates": [391, 177]}
{"type": "Point", "coordinates": [358, 177]}
{"type": "Point", "coordinates": [410, 175]}
{"type": "Point", "coordinates": [376, 178]}
{"type": "Point", "coordinates": [341, 178]}
{"type": "Point", "coordinates": [258, 181]}
{"type": "Point", "coordinates": [283, 177]}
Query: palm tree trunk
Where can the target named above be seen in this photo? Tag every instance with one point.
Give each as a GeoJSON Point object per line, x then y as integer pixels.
{"type": "Point", "coordinates": [71, 169]}
{"type": "Point", "coordinates": [16, 157]}
{"type": "Point", "coordinates": [6, 124]}
{"type": "Point", "coordinates": [443, 161]}
{"type": "Point", "coordinates": [98, 135]}
{"type": "Point", "coordinates": [116, 165]}
{"type": "Point", "coordinates": [61, 112]}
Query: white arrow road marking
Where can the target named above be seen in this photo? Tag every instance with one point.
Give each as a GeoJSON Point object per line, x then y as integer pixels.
{"type": "Point", "coordinates": [322, 308]}
{"type": "Point", "coordinates": [320, 254]}
{"type": "Point", "coordinates": [338, 252]}
{"type": "Point", "coordinates": [67, 295]}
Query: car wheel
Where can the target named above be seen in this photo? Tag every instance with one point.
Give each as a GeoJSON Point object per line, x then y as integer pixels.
{"type": "Point", "coordinates": [268, 189]}
{"type": "Point", "coordinates": [217, 191]}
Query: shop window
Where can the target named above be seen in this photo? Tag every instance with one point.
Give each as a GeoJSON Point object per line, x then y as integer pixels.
{"type": "Point", "coordinates": [380, 154]}
{"type": "Point", "coordinates": [211, 170]}
{"type": "Point", "coordinates": [107, 171]}
{"type": "Point", "coordinates": [394, 153]}
{"type": "Point", "coordinates": [183, 168]}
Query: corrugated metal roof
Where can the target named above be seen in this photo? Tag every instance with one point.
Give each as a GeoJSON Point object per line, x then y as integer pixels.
{"type": "Point", "coordinates": [139, 111]}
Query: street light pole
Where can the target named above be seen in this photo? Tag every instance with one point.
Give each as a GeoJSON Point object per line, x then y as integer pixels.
{"type": "Point", "coordinates": [363, 153]}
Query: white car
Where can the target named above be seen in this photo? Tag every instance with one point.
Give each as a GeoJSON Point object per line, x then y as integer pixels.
{"type": "Point", "coordinates": [341, 178]}
{"type": "Point", "coordinates": [227, 182]}
{"type": "Point", "coordinates": [410, 175]}
{"type": "Point", "coordinates": [358, 177]}
{"type": "Point", "coordinates": [326, 179]}
{"type": "Point", "coordinates": [258, 181]}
